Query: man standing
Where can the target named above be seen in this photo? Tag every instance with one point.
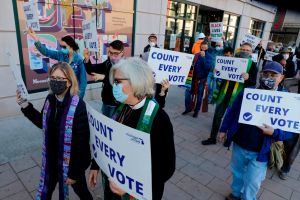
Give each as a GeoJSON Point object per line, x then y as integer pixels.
{"type": "Point", "coordinates": [202, 66]}
{"type": "Point", "coordinates": [152, 39]}
{"type": "Point", "coordinates": [100, 72]}
{"type": "Point", "coordinates": [196, 46]}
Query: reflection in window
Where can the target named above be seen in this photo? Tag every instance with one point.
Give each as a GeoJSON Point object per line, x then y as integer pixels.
{"type": "Point", "coordinates": [256, 27]}
{"type": "Point", "coordinates": [230, 27]}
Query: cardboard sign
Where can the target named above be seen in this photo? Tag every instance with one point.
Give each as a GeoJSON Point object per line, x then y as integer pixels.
{"type": "Point", "coordinates": [122, 153]}
{"type": "Point", "coordinates": [231, 68]}
{"type": "Point", "coordinates": [216, 31]}
{"type": "Point", "coordinates": [253, 40]}
{"type": "Point", "coordinates": [171, 65]}
{"type": "Point", "coordinates": [90, 35]}
{"type": "Point", "coordinates": [31, 15]}
{"type": "Point", "coordinates": [270, 54]}
{"type": "Point", "coordinates": [277, 109]}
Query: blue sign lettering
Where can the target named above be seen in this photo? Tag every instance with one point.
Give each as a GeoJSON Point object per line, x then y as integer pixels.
{"type": "Point", "coordinates": [165, 57]}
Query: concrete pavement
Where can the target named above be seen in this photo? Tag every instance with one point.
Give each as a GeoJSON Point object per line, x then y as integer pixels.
{"type": "Point", "coordinates": [202, 172]}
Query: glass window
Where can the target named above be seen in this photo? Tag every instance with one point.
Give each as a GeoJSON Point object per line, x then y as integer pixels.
{"type": "Point", "coordinates": [230, 27]}
{"type": "Point", "coordinates": [225, 18]}
{"type": "Point", "coordinates": [256, 27]}
{"type": "Point", "coordinates": [191, 12]}
{"type": "Point", "coordinates": [233, 20]}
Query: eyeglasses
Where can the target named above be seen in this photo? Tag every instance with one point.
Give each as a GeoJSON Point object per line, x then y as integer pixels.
{"type": "Point", "coordinates": [119, 80]}
{"type": "Point", "coordinates": [114, 53]}
{"type": "Point", "coordinates": [57, 78]}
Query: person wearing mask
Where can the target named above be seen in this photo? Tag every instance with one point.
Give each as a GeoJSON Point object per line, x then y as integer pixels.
{"type": "Point", "coordinates": [270, 47]}
{"type": "Point", "coordinates": [251, 144]}
{"type": "Point", "coordinates": [152, 40]}
{"type": "Point", "coordinates": [100, 72]}
{"type": "Point", "coordinates": [227, 91]}
{"type": "Point", "coordinates": [132, 81]}
{"type": "Point", "coordinates": [68, 53]}
{"type": "Point", "coordinates": [203, 63]}
{"type": "Point", "coordinates": [197, 45]}
{"type": "Point", "coordinates": [290, 70]}
{"type": "Point", "coordinates": [66, 149]}
{"type": "Point", "coordinates": [260, 52]}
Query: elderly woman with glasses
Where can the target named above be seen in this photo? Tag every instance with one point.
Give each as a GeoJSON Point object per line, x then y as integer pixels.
{"type": "Point", "coordinates": [66, 150]}
{"type": "Point", "coordinates": [133, 84]}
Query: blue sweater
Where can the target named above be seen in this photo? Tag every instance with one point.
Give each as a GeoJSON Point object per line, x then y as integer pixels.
{"type": "Point", "coordinates": [230, 125]}
{"type": "Point", "coordinates": [203, 65]}
{"type": "Point", "coordinates": [76, 64]}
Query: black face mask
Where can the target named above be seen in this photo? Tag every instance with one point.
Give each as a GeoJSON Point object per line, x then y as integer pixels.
{"type": "Point", "coordinates": [58, 87]}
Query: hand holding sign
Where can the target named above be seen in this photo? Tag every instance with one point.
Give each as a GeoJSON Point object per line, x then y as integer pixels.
{"type": "Point", "coordinates": [32, 33]}
{"type": "Point", "coordinates": [267, 130]}
{"type": "Point", "coordinates": [20, 100]}
{"type": "Point", "coordinates": [115, 188]}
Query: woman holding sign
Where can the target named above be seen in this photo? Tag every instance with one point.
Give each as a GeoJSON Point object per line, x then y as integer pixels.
{"type": "Point", "coordinates": [68, 54]}
{"type": "Point", "coordinates": [66, 149]}
{"type": "Point", "coordinates": [133, 82]}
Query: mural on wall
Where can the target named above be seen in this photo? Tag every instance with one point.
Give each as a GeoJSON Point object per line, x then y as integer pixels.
{"type": "Point", "coordinates": [58, 18]}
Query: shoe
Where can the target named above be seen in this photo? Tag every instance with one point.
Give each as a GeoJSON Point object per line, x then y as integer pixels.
{"type": "Point", "coordinates": [195, 115]}
{"type": "Point", "coordinates": [283, 175]}
{"type": "Point", "coordinates": [209, 141]}
{"type": "Point", "coordinates": [186, 112]}
{"type": "Point", "coordinates": [232, 197]}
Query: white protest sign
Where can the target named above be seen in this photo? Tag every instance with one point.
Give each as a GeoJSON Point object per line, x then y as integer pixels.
{"type": "Point", "coordinates": [18, 77]}
{"type": "Point", "coordinates": [231, 68]}
{"type": "Point", "coordinates": [253, 40]}
{"type": "Point", "coordinates": [270, 54]}
{"type": "Point", "coordinates": [172, 44]}
{"type": "Point", "coordinates": [31, 15]}
{"type": "Point", "coordinates": [216, 31]}
{"type": "Point", "coordinates": [171, 65]}
{"type": "Point", "coordinates": [122, 153]}
{"type": "Point", "coordinates": [90, 35]}
{"type": "Point", "coordinates": [277, 109]}
{"type": "Point", "coordinates": [254, 57]}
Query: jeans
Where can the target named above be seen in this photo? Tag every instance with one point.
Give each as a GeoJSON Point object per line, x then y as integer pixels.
{"type": "Point", "coordinates": [211, 82]}
{"type": "Point", "coordinates": [108, 110]}
{"type": "Point", "coordinates": [188, 97]}
{"type": "Point", "coordinates": [247, 173]}
{"type": "Point", "coordinates": [219, 112]}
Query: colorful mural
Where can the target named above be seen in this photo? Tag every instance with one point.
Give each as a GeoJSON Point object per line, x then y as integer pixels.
{"type": "Point", "coordinates": [58, 18]}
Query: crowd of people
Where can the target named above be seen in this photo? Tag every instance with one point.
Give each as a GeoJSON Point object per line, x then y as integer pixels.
{"type": "Point", "coordinates": [129, 90]}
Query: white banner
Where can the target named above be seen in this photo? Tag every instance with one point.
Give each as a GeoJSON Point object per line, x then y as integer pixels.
{"type": "Point", "coordinates": [18, 77]}
{"type": "Point", "coordinates": [253, 40]}
{"type": "Point", "coordinates": [216, 31]}
{"type": "Point", "coordinates": [270, 54]}
{"type": "Point", "coordinates": [122, 153]}
{"type": "Point", "coordinates": [277, 109]}
{"type": "Point", "coordinates": [31, 15]}
{"type": "Point", "coordinates": [90, 35]}
{"type": "Point", "coordinates": [231, 68]}
{"type": "Point", "coordinates": [171, 65]}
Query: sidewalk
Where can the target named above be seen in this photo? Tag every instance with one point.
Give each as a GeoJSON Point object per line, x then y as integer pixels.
{"type": "Point", "coordinates": [202, 172]}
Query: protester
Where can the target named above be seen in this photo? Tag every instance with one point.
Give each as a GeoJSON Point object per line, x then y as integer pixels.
{"type": "Point", "coordinates": [260, 52]}
{"type": "Point", "coordinates": [66, 149]}
{"type": "Point", "coordinates": [203, 63]}
{"type": "Point", "coordinates": [132, 81]}
{"type": "Point", "coordinates": [251, 146]}
{"type": "Point", "coordinates": [68, 54]}
{"type": "Point", "coordinates": [290, 70]}
{"type": "Point", "coordinates": [197, 45]}
{"type": "Point", "coordinates": [100, 72]}
{"type": "Point", "coordinates": [152, 40]}
{"type": "Point", "coordinates": [228, 90]}
{"type": "Point", "coordinates": [270, 47]}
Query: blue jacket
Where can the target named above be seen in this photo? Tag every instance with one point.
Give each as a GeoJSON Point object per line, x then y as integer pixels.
{"type": "Point", "coordinates": [76, 64]}
{"type": "Point", "coordinates": [203, 65]}
{"type": "Point", "coordinates": [230, 125]}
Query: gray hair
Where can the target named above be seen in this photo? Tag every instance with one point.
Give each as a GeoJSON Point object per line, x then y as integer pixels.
{"type": "Point", "coordinates": [139, 74]}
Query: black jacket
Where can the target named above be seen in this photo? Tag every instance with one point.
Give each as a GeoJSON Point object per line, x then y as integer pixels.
{"type": "Point", "coordinates": [103, 68]}
{"type": "Point", "coordinates": [80, 157]}
{"type": "Point", "coordinates": [252, 76]}
{"type": "Point", "coordinates": [147, 48]}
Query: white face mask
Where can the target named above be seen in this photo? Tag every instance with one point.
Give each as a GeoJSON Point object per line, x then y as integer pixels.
{"type": "Point", "coordinates": [152, 44]}
{"type": "Point", "coordinates": [285, 56]}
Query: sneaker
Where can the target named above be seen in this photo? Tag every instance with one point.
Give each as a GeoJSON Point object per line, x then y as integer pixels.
{"type": "Point", "coordinates": [232, 197]}
{"type": "Point", "coordinates": [209, 141]}
{"type": "Point", "coordinates": [283, 175]}
{"type": "Point", "coordinates": [195, 115]}
{"type": "Point", "coordinates": [186, 112]}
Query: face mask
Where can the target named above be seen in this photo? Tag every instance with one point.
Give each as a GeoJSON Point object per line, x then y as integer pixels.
{"type": "Point", "coordinates": [152, 44]}
{"type": "Point", "coordinates": [267, 83]}
{"type": "Point", "coordinates": [219, 48]}
{"type": "Point", "coordinates": [244, 54]}
{"type": "Point", "coordinates": [285, 56]}
{"type": "Point", "coordinates": [65, 50]}
{"type": "Point", "coordinates": [118, 93]}
{"type": "Point", "coordinates": [58, 87]}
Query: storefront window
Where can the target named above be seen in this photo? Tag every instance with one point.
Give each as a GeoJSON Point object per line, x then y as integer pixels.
{"type": "Point", "coordinates": [230, 28]}
{"type": "Point", "coordinates": [256, 27]}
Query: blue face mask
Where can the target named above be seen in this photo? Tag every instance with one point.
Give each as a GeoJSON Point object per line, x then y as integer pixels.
{"type": "Point", "coordinates": [118, 93]}
{"type": "Point", "coordinates": [65, 50]}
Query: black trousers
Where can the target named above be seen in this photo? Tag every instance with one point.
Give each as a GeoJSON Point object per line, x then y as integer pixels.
{"type": "Point", "coordinates": [80, 187]}
{"type": "Point", "coordinates": [289, 146]}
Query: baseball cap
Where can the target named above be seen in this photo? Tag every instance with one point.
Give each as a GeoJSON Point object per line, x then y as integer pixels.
{"type": "Point", "coordinates": [273, 67]}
